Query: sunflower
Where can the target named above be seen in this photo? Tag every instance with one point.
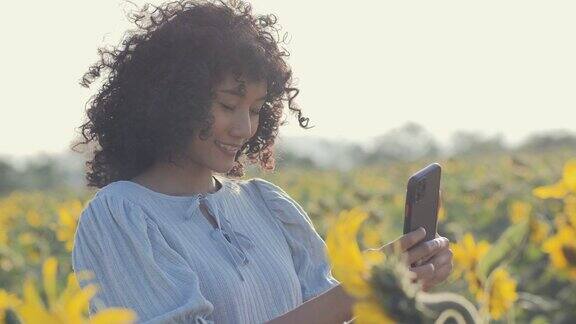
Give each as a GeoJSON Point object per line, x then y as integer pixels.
{"type": "Point", "coordinates": [467, 254]}
{"type": "Point", "coordinates": [353, 268]}
{"type": "Point", "coordinates": [7, 300]}
{"type": "Point", "coordinates": [68, 214]}
{"type": "Point", "coordinates": [562, 250]}
{"type": "Point", "coordinates": [563, 187]}
{"type": "Point", "coordinates": [68, 307]}
{"type": "Point", "coordinates": [500, 294]}
{"type": "Point", "coordinates": [519, 211]}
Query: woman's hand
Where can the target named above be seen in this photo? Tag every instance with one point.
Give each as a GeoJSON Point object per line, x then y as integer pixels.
{"type": "Point", "coordinates": [431, 261]}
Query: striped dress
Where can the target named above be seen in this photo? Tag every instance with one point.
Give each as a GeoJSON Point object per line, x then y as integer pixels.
{"type": "Point", "coordinates": [158, 255]}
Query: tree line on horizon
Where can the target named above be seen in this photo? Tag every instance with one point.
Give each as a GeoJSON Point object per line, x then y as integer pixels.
{"type": "Point", "coordinates": [408, 143]}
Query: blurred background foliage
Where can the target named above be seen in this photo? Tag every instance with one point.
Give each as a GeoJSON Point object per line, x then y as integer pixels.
{"type": "Point", "coordinates": [487, 188]}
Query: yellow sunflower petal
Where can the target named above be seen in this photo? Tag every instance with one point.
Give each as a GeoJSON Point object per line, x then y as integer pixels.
{"type": "Point", "coordinates": [502, 293]}
{"type": "Point", "coordinates": [570, 209]}
{"type": "Point", "coordinates": [8, 300]}
{"type": "Point", "coordinates": [348, 265]}
{"type": "Point", "coordinates": [519, 211]}
{"type": "Point", "coordinates": [373, 257]}
{"type": "Point", "coordinates": [114, 315]}
{"type": "Point", "coordinates": [49, 269]}
{"type": "Point", "coordinates": [81, 299]}
{"type": "Point", "coordinates": [557, 190]}
{"type": "Point", "coordinates": [569, 175]}
{"type": "Point", "coordinates": [561, 248]}
{"type": "Point", "coordinates": [32, 309]}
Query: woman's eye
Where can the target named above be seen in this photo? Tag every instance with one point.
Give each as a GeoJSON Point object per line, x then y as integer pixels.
{"type": "Point", "coordinates": [253, 112]}
{"type": "Point", "coordinates": [226, 106]}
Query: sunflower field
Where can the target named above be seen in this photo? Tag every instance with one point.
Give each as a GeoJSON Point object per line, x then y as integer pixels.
{"type": "Point", "coordinates": [510, 218]}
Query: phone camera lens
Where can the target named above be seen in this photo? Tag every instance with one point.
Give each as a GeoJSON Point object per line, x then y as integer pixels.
{"type": "Point", "coordinates": [420, 190]}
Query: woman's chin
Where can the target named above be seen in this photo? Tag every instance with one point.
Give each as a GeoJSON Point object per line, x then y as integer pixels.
{"type": "Point", "coordinates": [223, 166]}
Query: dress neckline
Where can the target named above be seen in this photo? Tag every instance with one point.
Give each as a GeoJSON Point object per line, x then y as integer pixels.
{"type": "Point", "coordinates": [219, 180]}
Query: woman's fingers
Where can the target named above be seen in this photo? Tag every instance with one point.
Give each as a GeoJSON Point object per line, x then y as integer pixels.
{"type": "Point", "coordinates": [426, 250]}
{"type": "Point", "coordinates": [440, 275]}
{"type": "Point", "coordinates": [424, 272]}
{"type": "Point", "coordinates": [442, 258]}
{"type": "Point", "coordinates": [443, 265]}
{"type": "Point", "coordinates": [405, 242]}
{"type": "Point", "coordinates": [429, 262]}
{"type": "Point", "coordinates": [435, 271]}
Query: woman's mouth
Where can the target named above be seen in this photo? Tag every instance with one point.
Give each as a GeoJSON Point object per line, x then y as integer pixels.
{"type": "Point", "coordinates": [228, 149]}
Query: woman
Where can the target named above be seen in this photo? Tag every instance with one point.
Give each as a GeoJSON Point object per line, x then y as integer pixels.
{"type": "Point", "coordinates": [196, 89]}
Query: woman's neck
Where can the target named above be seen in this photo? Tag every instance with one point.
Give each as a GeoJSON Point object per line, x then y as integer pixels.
{"type": "Point", "coordinates": [176, 180]}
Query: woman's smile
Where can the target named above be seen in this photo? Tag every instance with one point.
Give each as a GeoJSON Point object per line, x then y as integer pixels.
{"type": "Point", "coordinates": [228, 149]}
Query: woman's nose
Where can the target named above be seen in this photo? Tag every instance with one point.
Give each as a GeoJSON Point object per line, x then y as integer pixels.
{"type": "Point", "coordinates": [242, 125]}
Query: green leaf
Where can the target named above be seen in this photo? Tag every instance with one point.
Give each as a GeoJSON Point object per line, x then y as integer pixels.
{"type": "Point", "coordinates": [507, 244]}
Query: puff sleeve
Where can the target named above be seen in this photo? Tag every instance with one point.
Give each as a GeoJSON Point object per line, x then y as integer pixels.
{"type": "Point", "coordinates": [133, 265]}
{"type": "Point", "coordinates": [309, 251]}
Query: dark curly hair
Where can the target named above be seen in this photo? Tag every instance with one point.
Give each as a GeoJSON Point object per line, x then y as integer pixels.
{"type": "Point", "coordinates": [161, 81]}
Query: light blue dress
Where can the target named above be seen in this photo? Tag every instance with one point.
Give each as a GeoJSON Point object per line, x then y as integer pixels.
{"type": "Point", "coordinates": [158, 255]}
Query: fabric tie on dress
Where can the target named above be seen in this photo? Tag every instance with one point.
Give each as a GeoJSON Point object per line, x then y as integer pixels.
{"type": "Point", "coordinates": [235, 242]}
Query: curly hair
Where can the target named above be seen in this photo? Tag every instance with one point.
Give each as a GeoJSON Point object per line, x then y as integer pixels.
{"type": "Point", "coordinates": [161, 80]}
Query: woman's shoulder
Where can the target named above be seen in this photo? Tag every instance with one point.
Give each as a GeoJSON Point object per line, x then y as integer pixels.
{"type": "Point", "coordinates": [119, 189]}
{"type": "Point", "coordinates": [132, 193]}
{"type": "Point", "coordinates": [263, 190]}
{"type": "Point", "coordinates": [283, 207]}
{"type": "Point", "coordinates": [114, 200]}
{"type": "Point", "coordinates": [261, 184]}
{"type": "Point", "coordinates": [250, 185]}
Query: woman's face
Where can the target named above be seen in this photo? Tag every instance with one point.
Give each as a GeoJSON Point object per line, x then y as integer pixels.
{"type": "Point", "coordinates": [236, 110]}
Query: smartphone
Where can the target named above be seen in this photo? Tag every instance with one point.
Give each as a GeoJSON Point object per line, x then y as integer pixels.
{"type": "Point", "coordinates": [422, 199]}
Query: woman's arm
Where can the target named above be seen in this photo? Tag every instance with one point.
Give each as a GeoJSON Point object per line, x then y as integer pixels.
{"type": "Point", "coordinates": [333, 306]}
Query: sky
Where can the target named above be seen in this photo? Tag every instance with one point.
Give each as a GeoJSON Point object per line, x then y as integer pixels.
{"type": "Point", "coordinates": [363, 67]}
